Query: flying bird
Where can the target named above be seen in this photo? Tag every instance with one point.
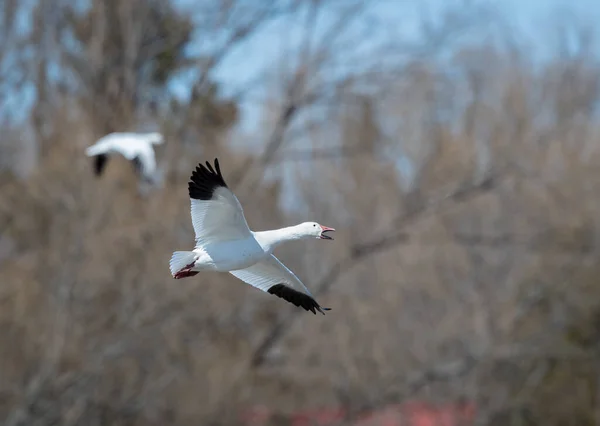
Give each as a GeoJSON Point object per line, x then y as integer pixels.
{"type": "Point", "coordinates": [136, 147]}
{"type": "Point", "coordinates": [225, 243]}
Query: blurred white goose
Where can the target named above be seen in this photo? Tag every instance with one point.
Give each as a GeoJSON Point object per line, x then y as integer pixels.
{"type": "Point", "coordinates": [136, 147]}
{"type": "Point", "coordinates": [224, 243]}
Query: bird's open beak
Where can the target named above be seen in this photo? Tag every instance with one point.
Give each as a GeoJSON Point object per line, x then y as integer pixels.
{"type": "Point", "coordinates": [325, 229]}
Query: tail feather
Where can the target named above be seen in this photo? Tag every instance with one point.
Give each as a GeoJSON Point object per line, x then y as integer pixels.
{"type": "Point", "coordinates": [181, 260]}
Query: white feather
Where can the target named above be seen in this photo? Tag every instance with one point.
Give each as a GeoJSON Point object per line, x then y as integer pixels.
{"type": "Point", "coordinates": [219, 219]}
{"type": "Point", "coordinates": [181, 259]}
{"type": "Point", "coordinates": [269, 272]}
{"type": "Point", "coordinates": [130, 146]}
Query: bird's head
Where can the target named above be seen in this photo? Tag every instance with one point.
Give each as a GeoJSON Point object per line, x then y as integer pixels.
{"type": "Point", "coordinates": [314, 230]}
{"type": "Point", "coordinates": [155, 138]}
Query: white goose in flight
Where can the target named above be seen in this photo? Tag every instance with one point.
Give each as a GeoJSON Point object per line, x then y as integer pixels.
{"type": "Point", "coordinates": [136, 147]}
{"type": "Point", "coordinates": [224, 243]}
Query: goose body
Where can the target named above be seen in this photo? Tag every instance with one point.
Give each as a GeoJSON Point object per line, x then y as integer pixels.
{"type": "Point", "coordinates": [217, 256]}
{"type": "Point", "coordinates": [135, 147]}
{"type": "Point", "coordinates": [225, 243]}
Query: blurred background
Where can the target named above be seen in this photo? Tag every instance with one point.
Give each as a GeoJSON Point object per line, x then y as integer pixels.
{"type": "Point", "coordinates": [454, 145]}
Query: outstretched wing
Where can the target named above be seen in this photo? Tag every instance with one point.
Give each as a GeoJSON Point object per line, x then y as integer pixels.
{"type": "Point", "coordinates": [216, 212]}
{"type": "Point", "coordinates": [134, 147]}
{"type": "Point", "coordinates": [272, 276]}
{"type": "Point", "coordinates": [114, 143]}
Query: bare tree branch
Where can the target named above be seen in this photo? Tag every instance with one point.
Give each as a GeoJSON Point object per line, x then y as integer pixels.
{"type": "Point", "coordinates": [358, 252]}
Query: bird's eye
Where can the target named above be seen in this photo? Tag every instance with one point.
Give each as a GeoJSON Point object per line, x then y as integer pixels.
{"type": "Point", "coordinates": [314, 225]}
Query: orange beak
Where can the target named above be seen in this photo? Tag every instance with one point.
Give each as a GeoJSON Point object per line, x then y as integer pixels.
{"type": "Point", "coordinates": [325, 229]}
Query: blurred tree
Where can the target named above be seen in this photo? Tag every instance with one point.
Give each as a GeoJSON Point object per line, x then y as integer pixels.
{"type": "Point", "coordinates": [123, 55]}
{"type": "Point", "coordinates": [118, 61]}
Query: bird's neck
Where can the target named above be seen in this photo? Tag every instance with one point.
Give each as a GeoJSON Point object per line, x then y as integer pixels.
{"type": "Point", "coordinates": [271, 239]}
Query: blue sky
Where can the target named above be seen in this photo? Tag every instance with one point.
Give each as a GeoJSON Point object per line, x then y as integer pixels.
{"type": "Point", "coordinates": [530, 20]}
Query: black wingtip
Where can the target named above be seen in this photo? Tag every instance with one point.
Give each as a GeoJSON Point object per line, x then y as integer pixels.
{"type": "Point", "coordinates": [205, 180]}
{"type": "Point", "coordinates": [295, 297]}
{"type": "Point", "coordinates": [100, 164]}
